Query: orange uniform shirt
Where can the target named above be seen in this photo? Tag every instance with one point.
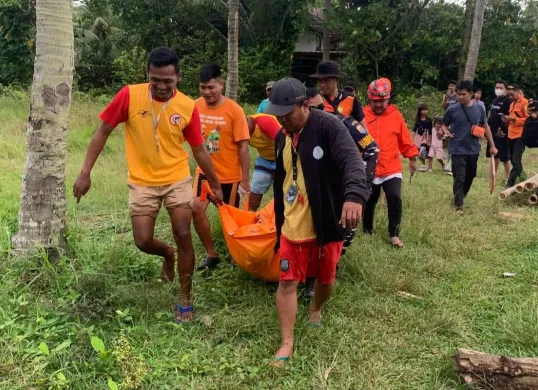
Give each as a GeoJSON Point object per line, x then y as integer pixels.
{"type": "Point", "coordinates": [151, 163]}
{"type": "Point", "coordinates": [263, 137]}
{"type": "Point", "coordinates": [518, 110]}
{"type": "Point", "coordinates": [222, 128]}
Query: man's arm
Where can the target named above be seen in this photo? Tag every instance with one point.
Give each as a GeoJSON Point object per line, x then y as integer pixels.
{"type": "Point", "coordinates": [244, 158]}
{"type": "Point", "coordinates": [489, 137]}
{"type": "Point", "coordinates": [357, 112]}
{"type": "Point", "coordinates": [204, 161]}
{"type": "Point", "coordinates": [83, 183]}
{"type": "Point", "coordinates": [445, 101]}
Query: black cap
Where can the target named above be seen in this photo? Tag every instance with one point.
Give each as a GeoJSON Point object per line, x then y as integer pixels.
{"type": "Point", "coordinates": [514, 87]}
{"type": "Point", "coordinates": [286, 94]}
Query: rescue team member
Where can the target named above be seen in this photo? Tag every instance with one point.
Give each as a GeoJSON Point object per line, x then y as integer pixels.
{"type": "Point", "coordinates": [225, 133]}
{"type": "Point", "coordinates": [464, 148]}
{"type": "Point", "coordinates": [499, 130]}
{"type": "Point", "coordinates": [263, 130]}
{"type": "Point", "coordinates": [387, 125]}
{"type": "Point", "coordinates": [320, 187]}
{"type": "Point", "coordinates": [158, 120]}
{"type": "Point", "coordinates": [515, 121]}
{"type": "Point", "coordinates": [351, 87]}
{"type": "Point", "coordinates": [335, 100]}
{"type": "Point", "coordinates": [364, 141]}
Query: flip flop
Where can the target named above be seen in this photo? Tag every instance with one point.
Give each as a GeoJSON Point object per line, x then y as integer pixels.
{"type": "Point", "coordinates": [280, 361]}
{"type": "Point", "coordinates": [182, 310]}
{"type": "Point", "coordinates": [398, 244]}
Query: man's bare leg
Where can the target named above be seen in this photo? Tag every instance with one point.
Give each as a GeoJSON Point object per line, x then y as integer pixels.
{"type": "Point", "coordinates": [322, 293]}
{"type": "Point", "coordinates": [202, 227]}
{"type": "Point", "coordinates": [181, 225]}
{"type": "Point", "coordinates": [286, 306]}
{"type": "Point", "coordinates": [143, 230]}
{"type": "Point", "coordinates": [254, 201]}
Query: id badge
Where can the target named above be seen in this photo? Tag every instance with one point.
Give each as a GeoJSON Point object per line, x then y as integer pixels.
{"type": "Point", "coordinates": [292, 194]}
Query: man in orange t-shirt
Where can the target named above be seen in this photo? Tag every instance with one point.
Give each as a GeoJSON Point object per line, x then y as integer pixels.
{"type": "Point", "coordinates": [225, 132]}
{"type": "Point", "coordinates": [515, 121]}
{"type": "Point", "coordinates": [158, 120]}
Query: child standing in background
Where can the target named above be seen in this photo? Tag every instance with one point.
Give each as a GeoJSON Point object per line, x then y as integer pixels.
{"type": "Point", "coordinates": [422, 134]}
{"type": "Point", "coordinates": [436, 144]}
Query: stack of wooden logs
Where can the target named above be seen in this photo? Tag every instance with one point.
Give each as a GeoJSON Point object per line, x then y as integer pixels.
{"type": "Point", "coordinates": [527, 185]}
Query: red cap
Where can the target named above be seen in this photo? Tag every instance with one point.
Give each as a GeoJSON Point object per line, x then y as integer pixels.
{"type": "Point", "coordinates": [379, 89]}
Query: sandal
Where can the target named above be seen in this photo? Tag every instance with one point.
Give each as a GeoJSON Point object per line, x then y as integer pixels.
{"type": "Point", "coordinates": [396, 242]}
{"type": "Point", "coordinates": [209, 263]}
{"type": "Point", "coordinates": [280, 361]}
{"type": "Point", "coordinates": [182, 310]}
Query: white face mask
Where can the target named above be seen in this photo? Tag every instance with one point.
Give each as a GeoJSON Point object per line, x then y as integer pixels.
{"type": "Point", "coordinates": [499, 92]}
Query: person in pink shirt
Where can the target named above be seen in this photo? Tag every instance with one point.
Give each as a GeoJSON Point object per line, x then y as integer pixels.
{"type": "Point", "coordinates": [436, 144]}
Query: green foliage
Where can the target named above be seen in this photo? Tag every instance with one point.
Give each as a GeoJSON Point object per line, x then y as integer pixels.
{"type": "Point", "coordinates": [128, 69]}
{"type": "Point", "coordinates": [17, 37]}
{"type": "Point", "coordinates": [107, 289]}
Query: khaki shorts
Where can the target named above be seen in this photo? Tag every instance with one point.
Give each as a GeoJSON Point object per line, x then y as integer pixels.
{"type": "Point", "coordinates": [147, 200]}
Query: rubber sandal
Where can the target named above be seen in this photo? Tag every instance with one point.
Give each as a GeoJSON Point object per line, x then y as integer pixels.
{"type": "Point", "coordinates": [209, 263]}
{"type": "Point", "coordinates": [182, 310]}
{"type": "Point", "coordinates": [398, 244]}
{"type": "Point", "coordinates": [280, 361]}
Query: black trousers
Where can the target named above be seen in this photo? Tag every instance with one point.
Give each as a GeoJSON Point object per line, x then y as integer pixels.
{"type": "Point", "coordinates": [516, 148]}
{"type": "Point", "coordinates": [393, 192]}
{"type": "Point", "coordinates": [464, 172]}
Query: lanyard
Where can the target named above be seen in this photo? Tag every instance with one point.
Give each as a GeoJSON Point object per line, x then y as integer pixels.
{"type": "Point", "coordinates": [155, 122]}
{"type": "Point", "coordinates": [294, 157]}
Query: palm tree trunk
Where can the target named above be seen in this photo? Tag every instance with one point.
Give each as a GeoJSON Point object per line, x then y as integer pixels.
{"type": "Point", "coordinates": [232, 82]}
{"type": "Point", "coordinates": [474, 45]}
{"type": "Point", "coordinates": [42, 203]}
{"type": "Point", "coordinates": [326, 32]}
{"type": "Point", "coordinates": [466, 36]}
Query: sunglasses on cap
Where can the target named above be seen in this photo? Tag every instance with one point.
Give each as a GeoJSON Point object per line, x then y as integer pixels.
{"type": "Point", "coordinates": [380, 94]}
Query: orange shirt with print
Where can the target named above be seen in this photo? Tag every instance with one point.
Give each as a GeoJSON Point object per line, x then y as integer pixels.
{"type": "Point", "coordinates": [518, 111]}
{"type": "Point", "coordinates": [155, 162]}
{"type": "Point", "coordinates": [223, 127]}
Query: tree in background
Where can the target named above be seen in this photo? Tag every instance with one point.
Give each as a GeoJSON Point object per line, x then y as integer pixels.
{"type": "Point", "coordinates": [232, 80]}
{"type": "Point", "coordinates": [326, 32]}
{"type": "Point", "coordinates": [42, 204]}
{"type": "Point", "coordinates": [474, 44]}
{"type": "Point", "coordinates": [465, 37]}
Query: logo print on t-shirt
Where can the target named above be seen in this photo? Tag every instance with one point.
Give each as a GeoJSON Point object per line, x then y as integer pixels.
{"type": "Point", "coordinates": [213, 141]}
{"type": "Point", "coordinates": [175, 119]}
{"type": "Point", "coordinates": [318, 153]}
{"type": "Point", "coordinates": [284, 265]}
{"type": "Point", "coordinates": [340, 109]}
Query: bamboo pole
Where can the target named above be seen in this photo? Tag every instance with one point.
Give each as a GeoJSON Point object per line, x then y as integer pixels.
{"type": "Point", "coordinates": [520, 188]}
{"type": "Point", "coordinates": [508, 192]}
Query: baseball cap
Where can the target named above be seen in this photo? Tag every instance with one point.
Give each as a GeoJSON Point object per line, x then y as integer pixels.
{"type": "Point", "coordinates": [514, 87]}
{"type": "Point", "coordinates": [270, 85]}
{"type": "Point", "coordinates": [287, 92]}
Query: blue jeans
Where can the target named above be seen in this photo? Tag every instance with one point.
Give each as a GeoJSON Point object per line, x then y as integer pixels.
{"type": "Point", "coordinates": [262, 178]}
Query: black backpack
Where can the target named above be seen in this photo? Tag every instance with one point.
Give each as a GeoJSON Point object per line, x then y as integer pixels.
{"type": "Point", "coordinates": [530, 133]}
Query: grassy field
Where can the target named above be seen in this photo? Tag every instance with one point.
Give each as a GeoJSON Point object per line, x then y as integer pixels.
{"type": "Point", "coordinates": [371, 337]}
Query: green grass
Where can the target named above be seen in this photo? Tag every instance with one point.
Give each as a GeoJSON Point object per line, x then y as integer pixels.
{"type": "Point", "coordinates": [371, 337]}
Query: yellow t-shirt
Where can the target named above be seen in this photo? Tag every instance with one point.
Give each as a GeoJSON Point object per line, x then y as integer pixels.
{"type": "Point", "coordinates": [263, 137]}
{"type": "Point", "coordinates": [298, 224]}
{"type": "Point", "coordinates": [150, 162]}
{"type": "Point", "coordinates": [222, 128]}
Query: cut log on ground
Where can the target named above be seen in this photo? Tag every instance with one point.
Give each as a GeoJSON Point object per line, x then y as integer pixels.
{"type": "Point", "coordinates": [533, 199]}
{"type": "Point", "coordinates": [497, 372]}
{"type": "Point", "coordinates": [508, 192]}
{"type": "Point", "coordinates": [521, 187]}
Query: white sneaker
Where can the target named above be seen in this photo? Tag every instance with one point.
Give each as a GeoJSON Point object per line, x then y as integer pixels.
{"type": "Point", "coordinates": [423, 168]}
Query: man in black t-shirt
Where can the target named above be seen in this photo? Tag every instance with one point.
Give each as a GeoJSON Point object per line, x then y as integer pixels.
{"type": "Point", "coordinates": [500, 105]}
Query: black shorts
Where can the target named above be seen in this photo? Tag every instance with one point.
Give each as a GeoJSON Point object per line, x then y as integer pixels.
{"type": "Point", "coordinates": [229, 190]}
{"type": "Point", "coordinates": [501, 143]}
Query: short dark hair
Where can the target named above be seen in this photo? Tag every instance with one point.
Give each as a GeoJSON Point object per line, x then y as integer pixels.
{"type": "Point", "coordinates": [438, 119]}
{"type": "Point", "coordinates": [163, 56]}
{"type": "Point", "coordinates": [465, 84]}
{"type": "Point", "coordinates": [502, 82]}
{"type": "Point", "coordinates": [453, 82]}
{"type": "Point", "coordinates": [311, 92]}
{"type": "Point", "coordinates": [351, 84]}
{"type": "Point", "coordinates": [209, 72]}
{"type": "Point", "coordinates": [478, 90]}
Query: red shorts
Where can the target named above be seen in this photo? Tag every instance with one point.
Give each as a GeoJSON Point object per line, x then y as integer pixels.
{"type": "Point", "coordinates": [301, 260]}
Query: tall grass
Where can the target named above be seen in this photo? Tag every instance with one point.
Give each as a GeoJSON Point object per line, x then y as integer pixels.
{"type": "Point", "coordinates": [371, 338]}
